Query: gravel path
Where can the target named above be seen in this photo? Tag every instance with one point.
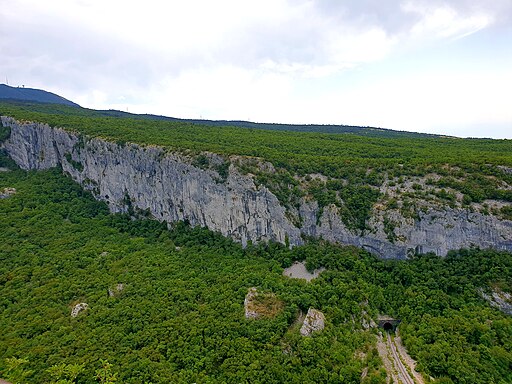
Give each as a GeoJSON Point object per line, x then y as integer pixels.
{"type": "Point", "coordinates": [408, 359]}
{"type": "Point", "coordinates": [402, 371]}
{"type": "Point", "coordinates": [298, 271]}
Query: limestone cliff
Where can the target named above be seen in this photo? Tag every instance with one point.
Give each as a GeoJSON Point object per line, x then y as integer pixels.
{"type": "Point", "coordinates": [172, 187]}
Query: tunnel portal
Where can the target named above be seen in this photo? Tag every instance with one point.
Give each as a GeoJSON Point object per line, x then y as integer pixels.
{"type": "Point", "coordinates": [388, 323]}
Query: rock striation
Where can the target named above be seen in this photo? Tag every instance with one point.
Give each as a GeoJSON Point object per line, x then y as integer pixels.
{"type": "Point", "coordinates": [314, 322]}
{"type": "Point", "coordinates": [172, 188]}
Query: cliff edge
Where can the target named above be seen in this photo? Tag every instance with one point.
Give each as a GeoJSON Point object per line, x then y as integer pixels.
{"type": "Point", "coordinates": [171, 186]}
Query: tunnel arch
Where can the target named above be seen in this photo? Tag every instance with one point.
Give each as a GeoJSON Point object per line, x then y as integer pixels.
{"type": "Point", "coordinates": [387, 323]}
{"type": "Point", "coordinates": [388, 326]}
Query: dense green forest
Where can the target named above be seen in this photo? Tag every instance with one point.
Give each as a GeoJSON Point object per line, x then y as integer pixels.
{"type": "Point", "coordinates": [180, 317]}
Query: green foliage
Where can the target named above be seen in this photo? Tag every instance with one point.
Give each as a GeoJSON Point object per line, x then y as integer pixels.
{"type": "Point", "coordinates": [5, 161]}
{"type": "Point", "coordinates": [65, 373]}
{"type": "Point", "coordinates": [105, 374]}
{"type": "Point", "coordinates": [282, 184]}
{"type": "Point", "coordinates": [201, 161]}
{"type": "Point", "coordinates": [222, 170]}
{"type": "Point", "coordinates": [476, 188]}
{"type": "Point", "coordinates": [389, 229]}
{"type": "Point", "coordinates": [75, 164]}
{"type": "Point", "coordinates": [5, 132]}
{"type": "Point", "coordinates": [506, 212]}
{"type": "Point", "coordinates": [180, 317]}
{"type": "Point", "coordinates": [354, 199]}
{"type": "Point", "coordinates": [16, 370]}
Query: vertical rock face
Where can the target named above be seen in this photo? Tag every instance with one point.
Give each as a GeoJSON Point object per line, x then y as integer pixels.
{"type": "Point", "coordinates": [314, 322]}
{"type": "Point", "coordinates": [147, 178]}
{"type": "Point", "coordinates": [171, 188]}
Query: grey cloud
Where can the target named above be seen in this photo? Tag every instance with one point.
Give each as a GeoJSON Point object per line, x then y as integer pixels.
{"type": "Point", "coordinates": [390, 15]}
{"type": "Point", "coordinates": [384, 14]}
{"type": "Point", "coordinates": [68, 57]}
{"type": "Point", "coordinates": [73, 57]}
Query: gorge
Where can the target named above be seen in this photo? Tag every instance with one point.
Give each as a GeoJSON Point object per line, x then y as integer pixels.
{"type": "Point", "coordinates": [171, 186]}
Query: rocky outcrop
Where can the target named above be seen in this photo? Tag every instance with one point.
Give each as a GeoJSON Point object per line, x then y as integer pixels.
{"type": "Point", "coordinates": [78, 308]}
{"type": "Point", "coordinates": [149, 179]}
{"type": "Point", "coordinates": [116, 290]}
{"type": "Point", "coordinates": [499, 299]}
{"type": "Point", "coordinates": [7, 192]}
{"type": "Point", "coordinates": [249, 307]}
{"type": "Point", "coordinates": [172, 187]}
{"type": "Point", "coordinates": [314, 322]}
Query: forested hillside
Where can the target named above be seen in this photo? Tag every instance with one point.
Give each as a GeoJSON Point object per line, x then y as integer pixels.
{"type": "Point", "coordinates": [180, 315]}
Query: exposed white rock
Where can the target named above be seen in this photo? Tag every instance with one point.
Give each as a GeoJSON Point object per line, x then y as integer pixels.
{"type": "Point", "coordinates": [505, 169]}
{"type": "Point", "coordinates": [78, 308]}
{"type": "Point", "coordinates": [7, 192]}
{"type": "Point", "coordinates": [366, 321]}
{"type": "Point", "coordinates": [499, 299]}
{"type": "Point", "coordinates": [250, 312]}
{"type": "Point", "coordinates": [314, 322]}
{"type": "Point", "coordinates": [114, 291]}
{"type": "Point", "coordinates": [170, 187]}
{"type": "Point", "coordinates": [298, 271]}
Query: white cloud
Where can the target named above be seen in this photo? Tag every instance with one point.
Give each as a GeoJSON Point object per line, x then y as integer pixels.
{"type": "Point", "coordinates": [444, 103]}
{"type": "Point", "coordinates": [443, 21]}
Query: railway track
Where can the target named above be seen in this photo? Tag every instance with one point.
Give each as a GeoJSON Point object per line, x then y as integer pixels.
{"type": "Point", "coordinates": [402, 371]}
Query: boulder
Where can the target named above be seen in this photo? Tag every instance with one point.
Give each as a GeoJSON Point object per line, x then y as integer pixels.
{"type": "Point", "coordinates": [7, 192]}
{"type": "Point", "coordinates": [314, 322]}
{"type": "Point", "coordinates": [77, 309]}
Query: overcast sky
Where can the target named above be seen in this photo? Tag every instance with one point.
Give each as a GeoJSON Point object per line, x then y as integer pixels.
{"type": "Point", "coordinates": [440, 66]}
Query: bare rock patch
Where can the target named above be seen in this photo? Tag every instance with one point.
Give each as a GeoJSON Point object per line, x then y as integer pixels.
{"type": "Point", "coordinates": [298, 271]}
{"type": "Point", "coordinates": [78, 308]}
{"type": "Point", "coordinates": [314, 322]}
{"type": "Point", "coordinates": [7, 192]}
{"type": "Point", "coordinates": [116, 290]}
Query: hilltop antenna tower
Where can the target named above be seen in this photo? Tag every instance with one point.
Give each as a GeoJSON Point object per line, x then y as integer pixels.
{"type": "Point", "coordinates": [6, 80]}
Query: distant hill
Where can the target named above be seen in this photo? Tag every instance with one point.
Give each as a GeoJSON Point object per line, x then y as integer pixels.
{"type": "Point", "coordinates": [319, 128]}
{"type": "Point", "coordinates": [31, 94]}
{"type": "Point", "coordinates": [314, 128]}
{"type": "Point", "coordinates": [63, 108]}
